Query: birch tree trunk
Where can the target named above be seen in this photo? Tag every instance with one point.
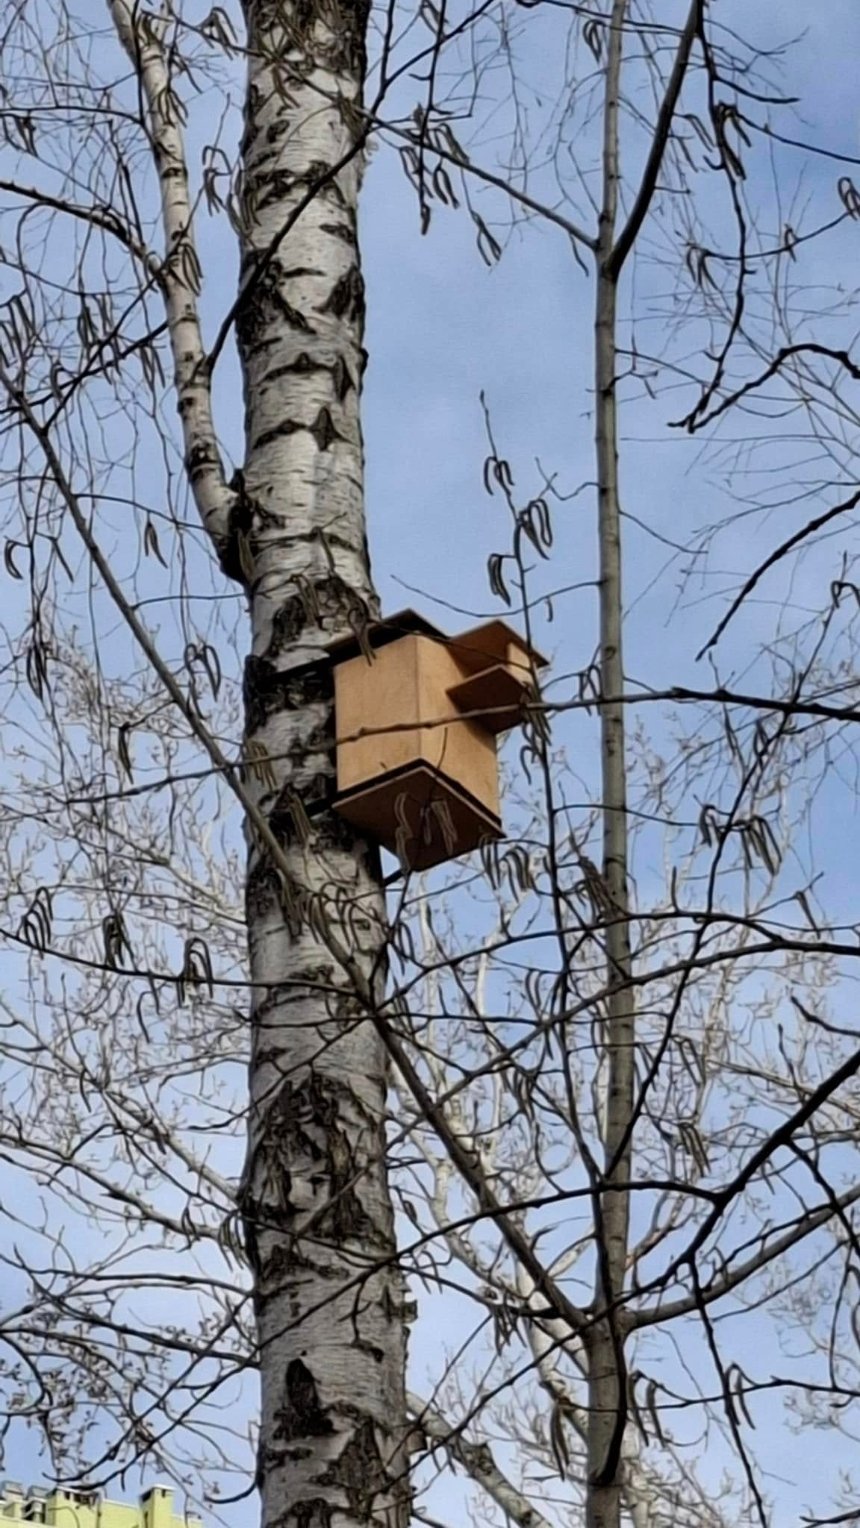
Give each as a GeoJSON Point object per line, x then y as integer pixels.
{"type": "Point", "coordinates": [316, 1206]}
{"type": "Point", "coordinates": [605, 1344]}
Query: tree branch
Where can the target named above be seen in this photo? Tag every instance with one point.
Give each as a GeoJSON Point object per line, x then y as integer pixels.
{"type": "Point", "coordinates": [776, 556]}
{"type": "Point", "coordinates": [729, 1194]}
{"type": "Point", "coordinates": [692, 423]}
{"type": "Point", "coordinates": [98, 217]}
{"type": "Point", "coordinates": [659, 143]}
{"type": "Point", "coordinates": [478, 1462]}
{"type": "Point", "coordinates": [180, 276]}
{"type": "Point", "coordinates": [709, 1293]}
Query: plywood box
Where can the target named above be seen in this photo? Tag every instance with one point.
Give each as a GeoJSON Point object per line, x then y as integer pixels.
{"type": "Point", "coordinates": [417, 721]}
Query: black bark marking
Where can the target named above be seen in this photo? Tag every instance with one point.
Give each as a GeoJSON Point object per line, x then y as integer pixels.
{"type": "Point", "coordinates": [280, 431]}
{"type": "Point", "coordinates": [346, 299]}
{"type": "Point", "coordinates": [276, 184]}
{"type": "Point", "coordinates": [251, 316]}
{"type": "Point", "coordinates": [263, 298]}
{"type": "Point", "coordinates": [285, 817]}
{"type": "Point", "coordinates": [309, 1514]}
{"type": "Point", "coordinates": [201, 458]}
{"type": "Point", "coordinates": [264, 691]}
{"type": "Point", "coordinates": [288, 624]}
{"type": "Point", "coordinates": [344, 231]}
{"type": "Point", "coordinates": [290, 272]}
{"type": "Point", "coordinates": [294, 318]}
{"type": "Point", "coordinates": [305, 1120]}
{"type": "Point", "coordinates": [290, 817]}
{"type": "Point", "coordinates": [268, 690]}
{"type": "Point", "coordinates": [277, 1272]}
{"type": "Point", "coordinates": [302, 1414]}
{"type": "Point", "coordinates": [235, 556]}
{"type": "Point", "coordinates": [302, 365]}
{"type": "Point", "coordinates": [315, 175]}
{"type": "Point", "coordinates": [252, 1247]}
{"type": "Point", "coordinates": [331, 831]}
{"type": "Point", "coordinates": [345, 21]}
{"type": "Point", "coordinates": [262, 889]}
{"type": "Point", "coordinates": [323, 430]}
{"type": "Point", "coordinates": [342, 378]}
{"type": "Point", "coordinates": [359, 1472]}
{"type": "Point", "coordinates": [337, 606]}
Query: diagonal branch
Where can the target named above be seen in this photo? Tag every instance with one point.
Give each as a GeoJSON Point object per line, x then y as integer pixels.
{"type": "Point", "coordinates": [13, 1142]}
{"type": "Point", "coordinates": [98, 217]}
{"type": "Point", "coordinates": [776, 556]}
{"type": "Point", "coordinates": [478, 1462]}
{"type": "Point", "coordinates": [693, 422]}
{"type": "Point", "coordinates": [728, 1195]}
{"type": "Point", "coordinates": [487, 177]}
{"type": "Point", "coordinates": [659, 143]}
{"type": "Point", "coordinates": [180, 274]}
{"type": "Point", "coordinates": [734, 1278]}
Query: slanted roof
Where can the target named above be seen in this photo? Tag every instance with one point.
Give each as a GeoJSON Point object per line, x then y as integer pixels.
{"type": "Point", "coordinates": [489, 641]}
{"type": "Point", "coordinates": [404, 623]}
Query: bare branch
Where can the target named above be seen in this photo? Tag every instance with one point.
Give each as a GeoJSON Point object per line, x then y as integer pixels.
{"type": "Point", "coordinates": [180, 270]}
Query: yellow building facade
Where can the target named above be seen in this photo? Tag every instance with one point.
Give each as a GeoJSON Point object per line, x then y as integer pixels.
{"type": "Point", "coordinates": [87, 1509]}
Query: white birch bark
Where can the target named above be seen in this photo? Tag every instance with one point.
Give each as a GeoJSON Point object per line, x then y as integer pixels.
{"type": "Point", "coordinates": [333, 1449]}
{"type": "Point", "coordinates": [316, 1206]}
{"type": "Point", "coordinates": [179, 274]}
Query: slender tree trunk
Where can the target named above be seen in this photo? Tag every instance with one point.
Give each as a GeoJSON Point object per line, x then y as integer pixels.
{"type": "Point", "coordinates": [607, 1379]}
{"type": "Point", "coordinates": [315, 1201]}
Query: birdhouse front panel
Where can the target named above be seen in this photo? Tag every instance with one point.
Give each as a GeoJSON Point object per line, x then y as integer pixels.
{"type": "Point", "coordinates": [376, 711]}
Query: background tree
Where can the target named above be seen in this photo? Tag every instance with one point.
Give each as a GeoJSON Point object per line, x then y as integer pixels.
{"type": "Point", "coordinates": [622, 1114]}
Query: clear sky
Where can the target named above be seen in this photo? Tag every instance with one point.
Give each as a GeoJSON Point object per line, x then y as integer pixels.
{"type": "Point", "coordinates": [443, 328]}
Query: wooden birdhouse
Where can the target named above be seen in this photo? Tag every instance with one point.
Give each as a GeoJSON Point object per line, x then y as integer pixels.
{"type": "Point", "coordinates": [417, 717]}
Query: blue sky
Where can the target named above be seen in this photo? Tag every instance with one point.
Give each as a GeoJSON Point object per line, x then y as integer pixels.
{"type": "Point", "coordinates": [442, 328]}
{"type": "Point", "coordinates": [521, 333]}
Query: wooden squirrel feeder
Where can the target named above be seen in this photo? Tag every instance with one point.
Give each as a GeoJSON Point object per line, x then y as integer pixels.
{"type": "Point", "coordinates": [417, 716]}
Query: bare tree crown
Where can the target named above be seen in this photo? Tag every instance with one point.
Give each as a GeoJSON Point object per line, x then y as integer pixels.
{"type": "Point", "coordinates": [578, 1113]}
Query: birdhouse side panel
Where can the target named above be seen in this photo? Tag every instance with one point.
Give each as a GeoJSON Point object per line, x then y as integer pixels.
{"type": "Point", "coordinates": [463, 751]}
